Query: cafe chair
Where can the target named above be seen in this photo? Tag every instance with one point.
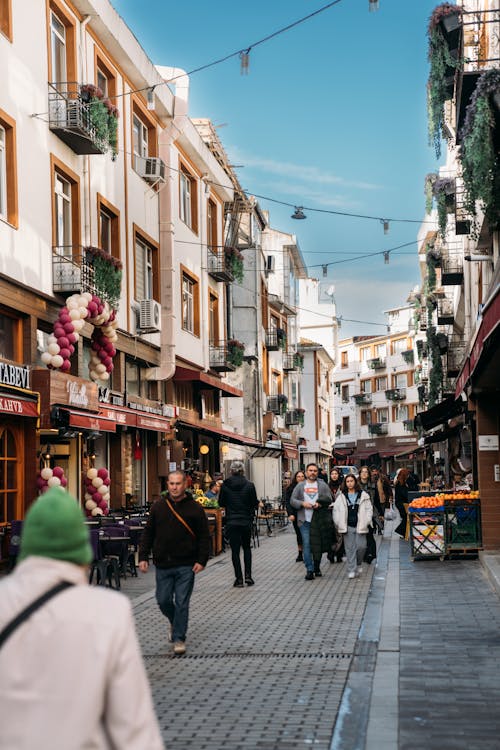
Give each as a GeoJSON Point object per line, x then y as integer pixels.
{"type": "Point", "coordinates": [106, 569]}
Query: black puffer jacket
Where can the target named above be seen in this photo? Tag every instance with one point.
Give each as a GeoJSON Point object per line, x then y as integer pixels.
{"type": "Point", "coordinates": [238, 496]}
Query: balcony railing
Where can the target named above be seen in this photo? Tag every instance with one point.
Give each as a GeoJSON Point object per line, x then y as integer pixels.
{"type": "Point", "coordinates": [219, 265]}
{"type": "Point", "coordinates": [277, 404]}
{"type": "Point", "coordinates": [396, 394]}
{"type": "Point", "coordinates": [377, 363]}
{"type": "Point", "coordinates": [221, 358]}
{"type": "Point", "coordinates": [408, 425]}
{"type": "Point", "coordinates": [455, 356]}
{"type": "Point", "coordinates": [275, 339]}
{"type": "Point", "coordinates": [70, 118]}
{"type": "Point", "coordinates": [445, 312]}
{"type": "Point", "coordinates": [294, 416]}
{"type": "Point", "coordinates": [452, 270]}
{"type": "Point", "coordinates": [408, 356]}
{"type": "Point", "coordinates": [360, 399]}
{"type": "Point", "coordinates": [378, 428]}
{"type": "Point", "coordinates": [72, 270]}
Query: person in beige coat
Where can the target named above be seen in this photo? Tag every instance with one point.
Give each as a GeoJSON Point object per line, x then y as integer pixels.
{"type": "Point", "coordinates": [71, 675]}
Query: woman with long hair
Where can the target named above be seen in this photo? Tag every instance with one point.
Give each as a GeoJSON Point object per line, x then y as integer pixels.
{"type": "Point", "coordinates": [352, 515]}
{"type": "Point", "coordinates": [400, 498]}
{"type": "Point", "coordinates": [299, 476]}
{"type": "Point", "coordinates": [335, 480]}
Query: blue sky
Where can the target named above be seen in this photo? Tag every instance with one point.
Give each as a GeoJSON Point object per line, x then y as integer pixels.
{"type": "Point", "coordinates": [332, 115]}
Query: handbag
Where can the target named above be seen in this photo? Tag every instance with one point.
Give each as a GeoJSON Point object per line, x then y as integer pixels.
{"type": "Point", "coordinates": [390, 513]}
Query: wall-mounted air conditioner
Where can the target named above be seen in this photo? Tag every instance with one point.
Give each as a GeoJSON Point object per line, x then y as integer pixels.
{"type": "Point", "coordinates": [149, 316]}
{"type": "Point", "coordinates": [150, 168]}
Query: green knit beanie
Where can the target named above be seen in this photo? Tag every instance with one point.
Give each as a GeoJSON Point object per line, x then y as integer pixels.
{"type": "Point", "coordinates": [54, 528]}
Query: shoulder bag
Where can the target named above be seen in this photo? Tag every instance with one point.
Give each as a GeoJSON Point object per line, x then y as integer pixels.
{"type": "Point", "coordinates": [30, 609]}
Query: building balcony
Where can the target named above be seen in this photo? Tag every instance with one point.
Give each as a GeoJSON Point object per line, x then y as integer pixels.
{"type": "Point", "coordinates": [408, 425]}
{"type": "Point", "coordinates": [378, 428]}
{"type": "Point", "coordinates": [452, 270]}
{"type": "Point", "coordinates": [277, 404]}
{"type": "Point", "coordinates": [226, 357]}
{"type": "Point", "coordinates": [295, 416]}
{"type": "Point", "coordinates": [77, 122]}
{"type": "Point", "coordinates": [293, 362]}
{"type": "Point", "coordinates": [377, 363]}
{"type": "Point", "coordinates": [275, 339]}
{"type": "Point", "coordinates": [445, 312]}
{"type": "Point", "coordinates": [396, 394]}
{"type": "Point", "coordinates": [72, 270]}
{"type": "Point", "coordinates": [408, 356]}
{"type": "Point", "coordinates": [361, 399]}
{"type": "Point", "coordinates": [219, 265]}
{"type": "Point", "coordinates": [455, 356]}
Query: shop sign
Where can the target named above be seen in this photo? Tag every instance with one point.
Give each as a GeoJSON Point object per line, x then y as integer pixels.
{"type": "Point", "coordinates": [150, 407]}
{"type": "Point", "coordinates": [77, 394]}
{"type": "Point", "coordinates": [18, 407]}
{"type": "Point", "coordinates": [487, 442]}
{"type": "Point", "coordinates": [14, 375]}
{"type": "Point", "coordinates": [286, 435]}
{"type": "Point", "coordinates": [169, 411]}
{"type": "Point", "coordinates": [107, 396]}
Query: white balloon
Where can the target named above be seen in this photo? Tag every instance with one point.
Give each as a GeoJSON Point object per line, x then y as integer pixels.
{"type": "Point", "coordinates": [97, 512]}
{"type": "Point", "coordinates": [74, 313]}
{"type": "Point", "coordinates": [76, 335]}
{"type": "Point", "coordinates": [57, 361]}
{"type": "Point", "coordinates": [52, 339]}
{"type": "Point", "coordinates": [91, 473]}
{"type": "Point", "coordinates": [87, 296]}
{"type": "Point", "coordinates": [104, 376]}
{"type": "Point", "coordinates": [84, 313]}
{"type": "Point", "coordinates": [97, 482]}
{"type": "Point", "coordinates": [82, 301]}
{"type": "Point", "coordinates": [72, 303]}
{"type": "Point", "coordinates": [90, 504]}
{"type": "Point", "coordinates": [46, 358]}
{"type": "Point", "coordinates": [54, 482]}
{"type": "Point", "coordinates": [88, 496]}
{"type": "Point", "coordinates": [100, 368]}
{"type": "Point", "coordinates": [78, 324]}
{"type": "Point", "coordinates": [53, 348]}
{"type": "Point", "coordinates": [102, 489]}
{"type": "Point", "coordinates": [106, 497]}
{"type": "Point", "coordinates": [46, 473]}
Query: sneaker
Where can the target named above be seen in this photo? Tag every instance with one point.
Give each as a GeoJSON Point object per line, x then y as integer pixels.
{"type": "Point", "coordinates": [351, 575]}
{"type": "Point", "coordinates": [179, 648]}
{"type": "Point", "coordinates": [318, 573]}
{"type": "Point", "coordinates": [238, 584]}
{"type": "Point", "coordinates": [309, 576]}
{"type": "Point", "coordinates": [359, 570]}
{"type": "Point", "coordinates": [249, 581]}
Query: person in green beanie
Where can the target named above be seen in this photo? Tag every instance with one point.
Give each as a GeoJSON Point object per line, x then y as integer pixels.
{"type": "Point", "coordinates": [64, 671]}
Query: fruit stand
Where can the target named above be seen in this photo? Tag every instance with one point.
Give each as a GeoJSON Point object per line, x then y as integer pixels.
{"type": "Point", "coordinates": [445, 523]}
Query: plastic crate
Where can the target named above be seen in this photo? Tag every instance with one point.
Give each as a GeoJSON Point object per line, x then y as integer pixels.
{"type": "Point", "coordinates": [463, 526]}
{"type": "Point", "coordinates": [427, 533]}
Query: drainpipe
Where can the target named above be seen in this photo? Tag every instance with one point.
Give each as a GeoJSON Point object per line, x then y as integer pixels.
{"type": "Point", "coordinates": [87, 240]}
{"type": "Point", "coordinates": [166, 368]}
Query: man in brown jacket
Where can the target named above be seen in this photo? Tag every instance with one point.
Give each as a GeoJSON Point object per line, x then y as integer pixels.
{"type": "Point", "coordinates": [177, 534]}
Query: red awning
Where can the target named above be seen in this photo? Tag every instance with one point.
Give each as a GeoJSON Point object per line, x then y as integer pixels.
{"type": "Point", "coordinates": [185, 374]}
{"type": "Point", "coordinates": [290, 450]}
{"type": "Point", "coordinates": [121, 415]}
{"type": "Point", "coordinates": [18, 407]}
{"type": "Point", "coordinates": [86, 421]}
{"type": "Point", "coordinates": [489, 322]}
{"type": "Point", "coordinates": [231, 437]}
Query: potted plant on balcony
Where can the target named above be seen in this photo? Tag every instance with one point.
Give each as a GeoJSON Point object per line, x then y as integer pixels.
{"type": "Point", "coordinates": [107, 275]}
{"type": "Point", "coordinates": [235, 352]}
{"type": "Point", "coordinates": [443, 191]}
{"type": "Point", "coordinates": [283, 403]}
{"type": "Point", "coordinates": [430, 179]}
{"type": "Point", "coordinates": [443, 63]}
{"type": "Point", "coordinates": [234, 263]}
{"type": "Point", "coordinates": [300, 414]}
{"type": "Point", "coordinates": [281, 337]}
{"type": "Point", "coordinates": [103, 116]}
{"type": "Point", "coordinates": [298, 361]}
{"type": "Point", "coordinates": [480, 158]}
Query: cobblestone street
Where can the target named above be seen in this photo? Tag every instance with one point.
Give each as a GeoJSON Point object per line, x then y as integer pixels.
{"type": "Point", "coordinates": [404, 657]}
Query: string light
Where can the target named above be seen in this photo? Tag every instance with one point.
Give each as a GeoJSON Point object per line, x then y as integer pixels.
{"type": "Point", "coordinates": [244, 62]}
{"type": "Point", "coordinates": [325, 269]}
{"type": "Point", "coordinates": [298, 213]}
{"type": "Point", "coordinates": [386, 256]}
{"type": "Point", "coordinates": [150, 98]}
{"type": "Point", "coordinates": [385, 224]}
{"type": "Point", "coordinates": [373, 5]}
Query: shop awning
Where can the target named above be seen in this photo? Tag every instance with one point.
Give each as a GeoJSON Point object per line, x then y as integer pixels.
{"type": "Point", "coordinates": [185, 374]}
{"type": "Point", "coordinates": [440, 413]}
{"type": "Point", "coordinates": [17, 406]}
{"type": "Point", "coordinates": [290, 450]}
{"type": "Point", "coordinates": [266, 453]}
{"type": "Point", "coordinates": [86, 421]}
{"type": "Point", "coordinates": [231, 437]}
{"type": "Point", "coordinates": [126, 417]}
{"type": "Point", "coordinates": [489, 323]}
{"type": "Point", "coordinates": [343, 452]}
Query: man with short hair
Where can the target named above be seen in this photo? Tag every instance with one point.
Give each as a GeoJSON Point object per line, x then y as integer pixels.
{"type": "Point", "coordinates": [239, 498]}
{"type": "Point", "coordinates": [177, 534]}
{"type": "Point", "coordinates": [308, 496]}
{"type": "Point", "coordinates": [213, 490]}
{"type": "Point", "coordinates": [72, 674]}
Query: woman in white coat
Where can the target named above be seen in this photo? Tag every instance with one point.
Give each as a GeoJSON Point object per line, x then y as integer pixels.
{"type": "Point", "coordinates": [352, 515]}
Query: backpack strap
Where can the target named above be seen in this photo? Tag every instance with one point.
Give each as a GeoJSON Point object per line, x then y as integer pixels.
{"type": "Point", "coordinates": [30, 609]}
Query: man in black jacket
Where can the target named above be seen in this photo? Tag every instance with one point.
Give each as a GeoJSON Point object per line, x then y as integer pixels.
{"type": "Point", "coordinates": [239, 498]}
{"type": "Point", "coordinates": [177, 534]}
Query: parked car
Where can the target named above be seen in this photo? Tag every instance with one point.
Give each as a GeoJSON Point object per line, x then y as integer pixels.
{"type": "Point", "coordinates": [349, 470]}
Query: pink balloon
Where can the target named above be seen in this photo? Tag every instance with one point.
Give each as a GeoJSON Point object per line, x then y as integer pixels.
{"type": "Point", "coordinates": [40, 482]}
{"type": "Point", "coordinates": [103, 504]}
{"type": "Point", "coordinates": [72, 338]}
{"type": "Point", "coordinates": [59, 331]}
{"type": "Point", "coordinates": [63, 342]}
{"type": "Point", "coordinates": [107, 361]}
{"type": "Point", "coordinates": [95, 346]}
{"type": "Point", "coordinates": [103, 473]}
{"type": "Point", "coordinates": [111, 367]}
{"type": "Point", "coordinates": [66, 366]}
{"type": "Point", "coordinates": [64, 318]}
{"type": "Point", "coordinates": [106, 481]}
{"type": "Point", "coordinates": [64, 482]}
{"type": "Point", "coordinates": [69, 327]}
{"type": "Point", "coordinates": [58, 471]}
{"type": "Point", "coordinates": [65, 353]}
{"type": "Point", "coordinates": [109, 347]}
{"type": "Point", "coordinates": [106, 511]}
{"type": "Point", "coordinates": [92, 309]}
{"type": "Point", "coordinates": [64, 310]}
{"type": "Point", "coordinates": [71, 349]}
{"type": "Point", "coordinates": [97, 497]}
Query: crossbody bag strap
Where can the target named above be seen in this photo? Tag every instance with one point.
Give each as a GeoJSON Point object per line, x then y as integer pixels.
{"type": "Point", "coordinates": [179, 518]}
{"type": "Point", "coordinates": [30, 609]}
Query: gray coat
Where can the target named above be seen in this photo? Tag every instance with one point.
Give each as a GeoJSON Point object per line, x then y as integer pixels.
{"type": "Point", "coordinates": [324, 498]}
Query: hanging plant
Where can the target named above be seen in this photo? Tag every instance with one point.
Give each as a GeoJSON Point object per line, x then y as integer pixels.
{"type": "Point", "coordinates": [430, 179]}
{"type": "Point", "coordinates": [298, 361]}
{"type": "Point", "coordinates": [480, 159]}
{"type": "Point", "coordinates": [441, 74]}
{"type": "Point", "coordinates": [283, 403]}
{"type": "Point", "coordinates": [234, 263]}
{"type": "Point", "coordinates": [107, 275]}
{"type": "Point", "coordinates": [103, 116]}
{"type": "Point", "coordinates": [281, 337]}
{"type": "Point", "coordinates": [235, 352]}
{"type": "Point", "coordinates": [443, 191]}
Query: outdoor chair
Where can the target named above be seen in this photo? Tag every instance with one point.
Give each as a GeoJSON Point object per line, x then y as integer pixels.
{"type": "Point", "coordinates": [106, 569]}
{"type": "Point", "coordinates": [115, 541]}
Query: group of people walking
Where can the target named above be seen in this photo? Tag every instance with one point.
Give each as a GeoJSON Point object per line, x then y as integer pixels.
{"type": "Point", "coordinates": [337, 517]}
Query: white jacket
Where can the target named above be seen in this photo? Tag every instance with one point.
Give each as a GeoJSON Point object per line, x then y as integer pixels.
{"type": "Point", "coordinates": [365, 513]}
{"type": "Point", "coordinates": [71, 676]}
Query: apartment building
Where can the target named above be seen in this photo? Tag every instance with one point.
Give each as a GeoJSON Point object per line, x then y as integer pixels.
{"type": "Point", "coordinates": [317, 435]}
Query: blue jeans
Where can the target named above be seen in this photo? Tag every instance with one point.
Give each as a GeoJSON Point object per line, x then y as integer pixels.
{"type": "Point", "coordinates": [305, 530]}
{"type": "Point", "coordinates": [174, 587]}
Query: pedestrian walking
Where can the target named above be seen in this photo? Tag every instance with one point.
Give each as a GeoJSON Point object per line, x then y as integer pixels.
{"type": "Point", "coordinates": [377, 523]}
{"type": "Point", "coordinates": [299, 476]}
{"type": "Point", "coordinates": [177, 534]}
{"type": "Point", "coordinates": [239, 498]}
{"type": "Point", "coordinates": [382, 491]}
{"type": "Point", "coordinates": [401, 499]}
{"type": "Point", "coordinates": [352, 515]}
{"type": "Point", "coordinates": [308, 497]}
{"type": "Point", "coordinates": [71, 671]}
{"type": "Point", "coordinates": [335, 481]}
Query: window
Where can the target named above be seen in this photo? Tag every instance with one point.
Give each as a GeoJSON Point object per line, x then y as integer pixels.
{"type": "Point", "coordinates": [8, 170]}
{"type": "Point", "coordinates": [345, 425]}
{"type": "Point", "coordinates": [190, 303]}
{"type": "Point", "coordinates": [366, 386]}
{"type": "Point", "coordinates": [381, 350]}
{"type": "Point", "coordinates": [6, 18]}
{"type": "Point", "coordinates": [213, 319]}
{"type": "Point", "coordinates": [400, 380]}
{"type": "Point", "coordinates": [188, 208]}
{"type": "Point", "coordinates": [366, 417]}
{"type": "Point", "coordinates": [105, 78]}
{"type": "Point", "coordinates": [382, 415]}
{"type": "Point", "coordinates": [212, 237]}
{"type": "Point", "coordinates": [10, 332]}
{"type": "Point", "coordinates": [344, 359]}
{"type": "Point", "coordinates": [58, 49]}
{"type": "Point", "coordinates": [275, 383]}
{"type": "Point", "coordinates": [62, 61]}
{"type": "Point", "coordinates": [144, 142]}
{"type": "Point", "coordinates": [381, 383]}
{"type": "Point", "coordinates": [11, 457]}
{"type": "Point", "coordinates": [345, 394]}
{"type": "Point", "coordinates": [399, 346]}
{"type": "Point", "coordinates": [146, 266]}
{"type": "Point", "coordinates": [274, 323]}
{"type": "Point", "coordinates": [400, 413]}
{"type": "Point", "coordinates": [108, 227]}
{"type": "Point", "coordinates": [184, 395]}
{"type": "Point", "coordinates": [140, 138]}
{"type": "Point", "coordinates": [364, 354]}
{"type": "Point", "coordinates": [66, 213]}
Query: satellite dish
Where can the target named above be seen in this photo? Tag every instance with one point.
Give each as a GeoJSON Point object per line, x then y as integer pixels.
{"type": "Point", "coordinates": [330, 291]}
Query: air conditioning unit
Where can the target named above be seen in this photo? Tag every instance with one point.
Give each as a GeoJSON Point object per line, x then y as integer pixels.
{"type": "Point", "coordinates": [270, 263]}
{"type": "Point", "coordinates": [149, 315]}
{"type": "Point", "coordinates": [151, 169]}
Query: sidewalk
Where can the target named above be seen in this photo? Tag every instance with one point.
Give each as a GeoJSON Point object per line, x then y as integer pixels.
{"type": "Point", "coordinates": [403, 658]}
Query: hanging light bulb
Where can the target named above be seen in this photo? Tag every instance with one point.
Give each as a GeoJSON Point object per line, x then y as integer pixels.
{"type": "Point", "coordinates": [298, 213]}
{"type": "Point", "coordinates": [244, 62]}
{"type": "Point", "coordinates": [150, 98]}
{"type": "Point", "coordinates": [386, 256]}
{"type": "Point", "coordinates": [373, 5]}
{"type": "Point", "coordinates": [385, 224]}
{"type": "Point", "coordinates": [325, 270]}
